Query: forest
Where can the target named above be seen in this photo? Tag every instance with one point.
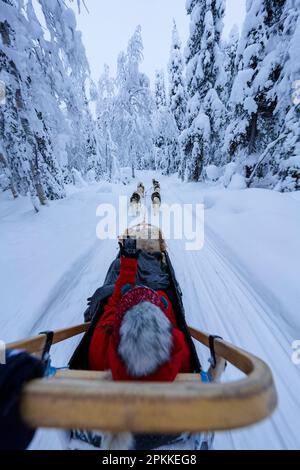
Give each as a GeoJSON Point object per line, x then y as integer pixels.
{"type": "Point", "coordinates": [227, 111]}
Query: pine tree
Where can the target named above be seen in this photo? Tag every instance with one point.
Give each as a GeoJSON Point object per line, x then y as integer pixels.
{"type": "Point", "coordinates": [253, 102]}
{"type": "Point", "coordinates": [230, 51]}
{"type": "Point", "coordinates": [160, 89]}
{"type": "Point", "coordinates": [124, 110]}
{"type": "Point", "coordinates": [105, 117]}
{"type": "Point", "coordinates": [263, 135]}
{"type": "Point", "coordinates": [44, 80]}
{"type": "Point", "coordinates": [205, 79]}
{"type": "Point", "coordinates": [16, 134]}
{"type": "Point", "coordinates": [66, 43]}
{"type": "Point", "coordinates": [136, 99]}
{"type": "Point", "coordinates": [167, 151]}
{"type": "Point", "coordinates": [286, 156]}
{"type": "Point", "coordinates": [177, 89]}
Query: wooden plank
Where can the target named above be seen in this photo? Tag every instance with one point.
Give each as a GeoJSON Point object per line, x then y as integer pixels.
{"type": "Point", "coordinates": [155, 407]}
{"type": "Point", "coordinates": [82, 375]}
{"type": "Point", "coordinates": [93, 375]}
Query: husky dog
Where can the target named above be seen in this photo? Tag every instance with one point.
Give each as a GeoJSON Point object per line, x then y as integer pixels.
{"type": "Point", "coordinates": [141, 189]}
{"type": "Point", "coordinates": [156, 185]}
{"type": "Point", "coordinates": [156, 199]}
{"type": "Point", "coordinates": [135, 203]}
{"type": "Point", "coordinates": [136, 198]}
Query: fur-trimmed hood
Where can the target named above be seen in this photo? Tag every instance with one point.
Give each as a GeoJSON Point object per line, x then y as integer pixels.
{"type": "Point", "coordinates": [143, 332]}
{"type": "Point", "coordinates": [145, 339]}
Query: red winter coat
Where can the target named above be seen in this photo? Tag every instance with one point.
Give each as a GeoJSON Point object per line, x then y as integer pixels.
{"type": "Point", "coordinates": [103, 354]}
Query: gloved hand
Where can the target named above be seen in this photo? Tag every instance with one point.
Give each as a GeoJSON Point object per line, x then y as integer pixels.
{"type": "Point", "coordinates": [20, 368]}
{"type": "Point", "coordinates": [128, 248]}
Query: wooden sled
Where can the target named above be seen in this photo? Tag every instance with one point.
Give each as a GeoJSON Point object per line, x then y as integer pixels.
{"type": "Point", "coordinates": [90, 400]}
{"type": "Point", "coordinates": [82, 399]}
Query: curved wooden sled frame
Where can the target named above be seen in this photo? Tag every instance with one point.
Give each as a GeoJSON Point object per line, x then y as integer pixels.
{"type": "Point", "coordinates": [90, 400]}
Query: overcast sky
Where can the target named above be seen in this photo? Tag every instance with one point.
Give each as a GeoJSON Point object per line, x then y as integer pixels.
{"type": "Point", "coordinates": [110, 23]}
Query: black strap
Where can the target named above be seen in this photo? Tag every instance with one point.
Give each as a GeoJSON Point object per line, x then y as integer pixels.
{"type": "Point", "coordinates": [48, 344]}
{"type": "Point", "coordinates": [213, 359]}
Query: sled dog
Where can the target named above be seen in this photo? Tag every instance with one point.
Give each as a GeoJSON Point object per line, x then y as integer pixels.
{"type": "Point", "coordinates": [141, 189]}
{"type": "Point", "coordinates": [136, 198]}
{"type": "Point", "coordinates": [156, 185]}
{"type": "Point", "coordinates": [156, 200]}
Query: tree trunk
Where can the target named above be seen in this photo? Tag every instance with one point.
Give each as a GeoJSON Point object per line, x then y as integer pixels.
{"type": "Point", "coordinates": [4, 31]}
{"type": "Point", "coordinates": [133, 171]}
{"type": "Point", "coordinates": [37, 184]}
{"type": "Point", "coordinates": [41, 194]}
{"type": "Point", "coordinates": [253, 133]}
{"type": "Point", "coordinates": [11, 184]}
{"type": "Point", "coordinates": [13, 190]}
{"type": "Point", "coordinates": [106, 158]}
{"type": "Point", "coordinates": [110, 171]}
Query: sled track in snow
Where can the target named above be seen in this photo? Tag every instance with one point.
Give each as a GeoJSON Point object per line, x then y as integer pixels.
{"type": "Point", "coordinates": [63, 288]}
{"type": "Point", "coordinates": [67, 300]}
{"type": "Point", "coordinates": [218, 297]}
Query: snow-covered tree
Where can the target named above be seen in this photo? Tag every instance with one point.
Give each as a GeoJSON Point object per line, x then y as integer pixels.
{"type": "Point", "coordinates": [177, 89]}
{"type": "Point", "coordinates": [165, 129]}
{"type": "Point", "coordinates": [67, 43]}
{"type": "Point", "coordinates": [286, 156]}
{"type": "Point", "coordinates": [160, 92]}
{"type": "Point", "coordinates": [242, 128]}
{"type": "Point", "coordinates": [167, 151]}
{"type": "Point", "coordinates": [125, 109]}
{"type": "Point", "coordinates": [25, 134]}
{"type": "Point", "coordinates": [230, 46]}
{"type": "Point", "coordinates": [105, 117]}
{"type": "Point", "coordinates": [45, 85]}
{"type": "Point", "coordinates": [263, 131]}
{"type": "Point", "coordinates": [135, 97]}
{"type": "Point", "coordinates": [205, 80]}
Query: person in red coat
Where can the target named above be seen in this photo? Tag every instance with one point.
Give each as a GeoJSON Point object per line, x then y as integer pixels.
{"type": "Point", "coordinates": [137, 337]}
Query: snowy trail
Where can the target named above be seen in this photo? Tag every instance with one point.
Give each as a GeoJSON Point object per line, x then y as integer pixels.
{"type": "Point", "coordinates": [220, 300]}
{"type": "Point", "coordinates": [67, 302]}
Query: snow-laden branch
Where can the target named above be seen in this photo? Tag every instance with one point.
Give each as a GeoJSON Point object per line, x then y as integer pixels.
{"type": "Point", "coordinates": [264, 155]}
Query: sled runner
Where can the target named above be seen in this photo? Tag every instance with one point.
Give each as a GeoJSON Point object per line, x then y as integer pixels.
{"type": "Point", "coordinates": [188, 410]}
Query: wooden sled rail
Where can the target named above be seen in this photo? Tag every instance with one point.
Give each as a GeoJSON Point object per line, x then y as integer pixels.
{"type": "Point", "coordinates": [37, 343]}
{"type": "Point", "coordinates": [90, 400]}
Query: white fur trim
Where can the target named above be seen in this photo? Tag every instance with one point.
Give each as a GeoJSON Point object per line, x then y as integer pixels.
{"type": "Point", "coordinates": [145, 339]}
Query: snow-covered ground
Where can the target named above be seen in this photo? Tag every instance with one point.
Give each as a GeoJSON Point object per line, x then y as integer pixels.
{"type": "Point", "coordinates": [243, 284]}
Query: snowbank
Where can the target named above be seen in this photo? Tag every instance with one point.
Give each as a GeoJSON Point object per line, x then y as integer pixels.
{"type": "Point", "coordinates": [262, 228]}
